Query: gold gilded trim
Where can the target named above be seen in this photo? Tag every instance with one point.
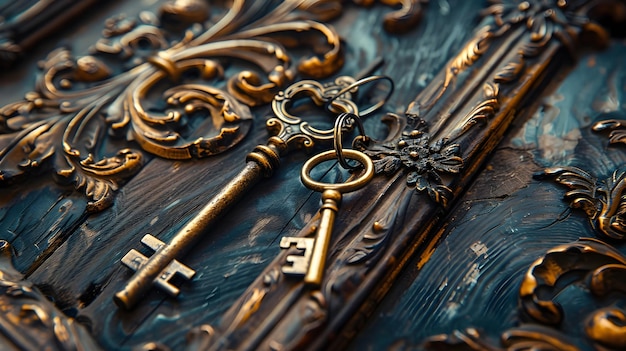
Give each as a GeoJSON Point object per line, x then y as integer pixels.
{"type": "Point", "coordinates": [79, 103]}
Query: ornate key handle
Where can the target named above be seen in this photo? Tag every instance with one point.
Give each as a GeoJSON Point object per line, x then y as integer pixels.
{"type": "Point", "coordinates": [337, 97]}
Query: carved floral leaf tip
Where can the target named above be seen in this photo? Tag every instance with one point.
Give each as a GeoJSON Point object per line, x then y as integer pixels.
{"type": "Point", "coordinates": [616, 128]}
{"type": "Point", "coordinates": [601, 200]}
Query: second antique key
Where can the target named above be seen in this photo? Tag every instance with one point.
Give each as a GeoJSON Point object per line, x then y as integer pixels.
{"type": "Point", "coordinates": [311, 263]}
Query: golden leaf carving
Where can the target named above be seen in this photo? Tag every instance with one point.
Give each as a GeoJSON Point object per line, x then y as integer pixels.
{"type": "Point", "coordinates": [80, 102]}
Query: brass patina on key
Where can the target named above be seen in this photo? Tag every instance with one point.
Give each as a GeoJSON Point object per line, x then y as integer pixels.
{"type": "Point", "coordinates": [311, 263]}
{"type": "Point", "coordinates": [288, 132]}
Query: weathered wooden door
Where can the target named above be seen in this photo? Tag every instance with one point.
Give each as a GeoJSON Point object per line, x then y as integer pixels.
{"type": "Point", "coordinates": [493, 218]}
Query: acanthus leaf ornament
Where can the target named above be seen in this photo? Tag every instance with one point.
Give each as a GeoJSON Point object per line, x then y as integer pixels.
{"type": "Point", "coordinates": [601, 200]}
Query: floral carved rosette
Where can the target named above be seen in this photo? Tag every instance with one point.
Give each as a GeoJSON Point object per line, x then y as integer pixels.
{"type": "Point", "coordinates": [424, 160]}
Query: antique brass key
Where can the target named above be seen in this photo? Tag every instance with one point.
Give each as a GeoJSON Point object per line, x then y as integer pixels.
{"type": "Point", "coordinates": [311, 263]}
{"type": "Point", "coordinates": [288, 132]}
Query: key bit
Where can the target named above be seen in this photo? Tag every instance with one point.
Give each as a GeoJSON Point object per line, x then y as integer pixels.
{"type": "Point", "coordinates": [299, 263]}
{"type": "Point", "coordinates": [135, 260]}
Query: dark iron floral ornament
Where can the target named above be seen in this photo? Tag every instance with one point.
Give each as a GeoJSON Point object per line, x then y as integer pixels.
{"type": "Point", "coordinates": [424, 160]}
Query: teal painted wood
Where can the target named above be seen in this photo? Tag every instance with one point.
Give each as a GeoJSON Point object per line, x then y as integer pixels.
{"type": "Point", "coordinates": [507, 220]}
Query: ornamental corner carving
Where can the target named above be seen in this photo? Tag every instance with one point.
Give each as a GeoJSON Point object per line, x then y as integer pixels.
{"type": "Point", "coordinates": [29, 320]}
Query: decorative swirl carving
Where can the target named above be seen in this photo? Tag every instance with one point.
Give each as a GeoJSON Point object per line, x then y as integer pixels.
{"type": "Point", "coordinates": [600, 267]}
{"type": "Point", "coordinates": [602, 201]}
{"type": "Point", "coordinates": [525, 337]}
{"type": "Point", "coordinates": [544, 20]}
{"type": "Point", "coordinates": [544, 274]}
{"type": "Point", "coordinates": [472, 51]}
{"type": "Point", "coordinates": [79, 102]}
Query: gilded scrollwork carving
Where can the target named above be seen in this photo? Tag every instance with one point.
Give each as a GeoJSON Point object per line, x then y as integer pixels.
{"type": "Point", "coordinates": [64, 126]}
{"type": "Point", "coordinates": [543, 21]}
{"type": "Point", "coordinates": [525, 337]}
{"type": "Point", "coordinates": [601, 200]}
{"type": "Point", "coordinates": [597, 265]}
{"type": "Point", "coordinates": [425, 160]}
{"type": "Point", "coordinates": [28, 320]}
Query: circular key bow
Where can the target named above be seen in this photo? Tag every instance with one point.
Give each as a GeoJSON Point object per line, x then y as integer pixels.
{"type": "Point", "coordinates": [331, 199]}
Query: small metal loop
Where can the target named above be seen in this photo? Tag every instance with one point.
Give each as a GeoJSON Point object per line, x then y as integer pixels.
{"type": "Point", "coordinates": [359, 182]}
{"type": "Point", "coordinates": [340, 122]}
{"type": "Point", "coordinates": [359, 83]}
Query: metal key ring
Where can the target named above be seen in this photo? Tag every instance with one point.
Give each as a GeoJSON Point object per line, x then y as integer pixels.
{"type": "Point", "coordinates": [359, 83]}
{"type": "Point", "coordinates": [342, 119]}
{"type": "Point", "coordinates": [347, 187]}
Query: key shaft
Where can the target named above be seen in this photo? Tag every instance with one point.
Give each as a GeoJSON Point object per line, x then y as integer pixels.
{"type": "Point", "coordinates": [186, 237]}
{"type": "Point", "coordinates": [331, 199]}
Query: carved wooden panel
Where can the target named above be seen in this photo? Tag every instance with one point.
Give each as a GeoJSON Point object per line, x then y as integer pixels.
{"type": "Point", "coordinates": [493, 220]}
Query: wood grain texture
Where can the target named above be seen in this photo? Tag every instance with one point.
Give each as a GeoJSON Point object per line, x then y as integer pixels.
{"type": "Point", "coordinates": [507, 220]}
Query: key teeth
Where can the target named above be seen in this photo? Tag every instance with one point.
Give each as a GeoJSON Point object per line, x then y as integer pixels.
{"type": "Point", "coordinates": [134, 259]}
{"type": "Point", "coordinates": [152, 242]}
{"type": "Point", "coordinates": [168, 287]}
{"type": "Point", "coordinates": [285, 242]}
{"type": "Point", "coordinates": [174, 268]}
{"type": "Point", "coordinates": [297, 265]}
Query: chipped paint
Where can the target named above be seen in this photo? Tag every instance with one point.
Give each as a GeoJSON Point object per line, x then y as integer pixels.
{"type": "Point", "coordinates": [479, 248]}
{"type": "Point", "coordinates": [451, 310]}
{"type": "Point", "coordinates": [554, 147]}
{"type": "Point", "coordinates": [471, 278]}
{"type": "Point", "coordinates": [444, 284]}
